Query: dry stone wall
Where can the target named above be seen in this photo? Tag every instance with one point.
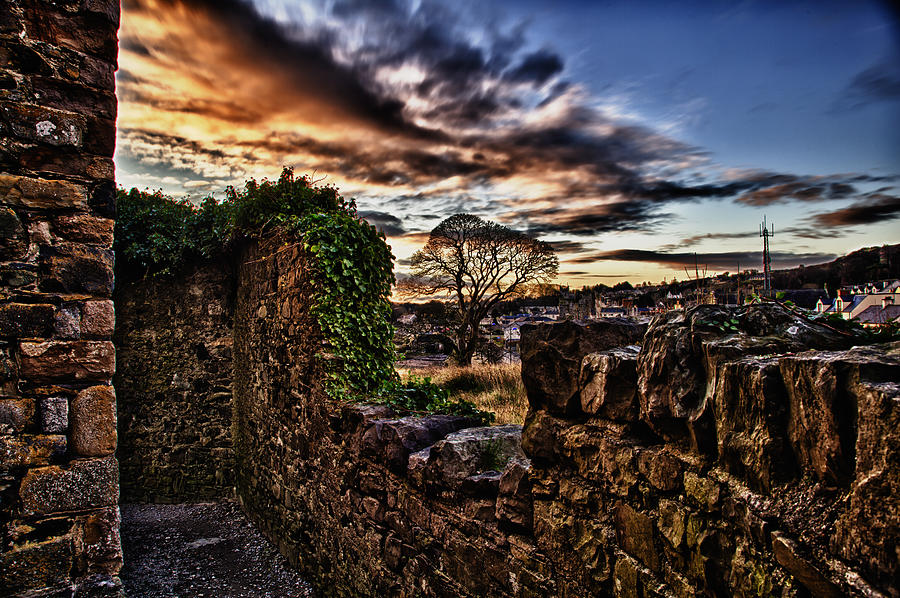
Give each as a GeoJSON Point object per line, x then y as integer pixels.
{"type": "Point", "coordinates": [173, 382]}
{"type": "Point", "coordinates": [59, 519]}
{"type": "Point", "coordinates": [719, 458]}
{"type": "Point", "coordinates": [736, 463]}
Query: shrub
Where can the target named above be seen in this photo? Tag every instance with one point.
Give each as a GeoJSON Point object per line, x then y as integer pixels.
{"type": "Point", "coordinates": [157, 235]}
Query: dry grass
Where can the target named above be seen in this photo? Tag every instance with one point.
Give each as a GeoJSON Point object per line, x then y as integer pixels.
{"type": "Point", "coordinates": [496, 388]}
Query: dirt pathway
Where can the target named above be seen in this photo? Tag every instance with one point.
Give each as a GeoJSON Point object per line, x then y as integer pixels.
{"type": "Point", "coordinates": [203, 549]}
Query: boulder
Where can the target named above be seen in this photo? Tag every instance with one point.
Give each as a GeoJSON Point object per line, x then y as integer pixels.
{"type": "Point", "coordinates": [868, 530]}
{"type": "Point", "coordinates": [392, 441]}
{"type": "Point", "coordinates": [472, 451]}
{"type": "Point", "coordinates": [823, 389]}
{"type": "Point", "coordinates": [751, 415]}
{"type": "Point", "coordinates": [552, 355]}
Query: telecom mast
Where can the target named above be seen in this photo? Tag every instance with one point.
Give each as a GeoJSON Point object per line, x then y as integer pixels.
{"type": "Point", "coordinates": [765, 233]}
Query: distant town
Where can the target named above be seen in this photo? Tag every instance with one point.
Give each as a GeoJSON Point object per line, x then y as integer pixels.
{"type": "Point", "coordinates": [862, 287]}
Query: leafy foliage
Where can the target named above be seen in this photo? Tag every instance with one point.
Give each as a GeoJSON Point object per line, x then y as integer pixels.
{"type": "Point", "coordinates": [422, 395]}
{"type": "Point", "coordinates": [157, 235]}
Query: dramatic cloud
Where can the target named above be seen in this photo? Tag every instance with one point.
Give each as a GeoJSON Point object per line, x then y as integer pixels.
{"type": "Point", "coordinates": [723, 260]}
{"type": "Point", "coordinates": [421, 109]}
{"type": "Point", "coordinates": [877, 208]}
{"type": "Point", "coordinates": [387, 223]}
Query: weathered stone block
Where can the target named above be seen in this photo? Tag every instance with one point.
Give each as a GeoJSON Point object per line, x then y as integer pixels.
{"type": "Point", "coordinates": [55, 415]}
{"type": "Point", "coordinates": [702, 490]}
{"type": "Point", "coordinates": [28, 450]}
{"type": "Point", "coordinates": [67, 361]}
{"type": "Point", "coordinates": [26, 320]}
{"type": "Point", "coordinates": [635, 535]}
{"type": "Point", "coordinates": [540, 435]}
{"type": "Point", "coordinates": [98, 318]}
{"type": "Point", "coordinates": [35, 566]}
{"type": "Point", "coordinates": [608, 382]}
{"type": "Point", "coordinates": [13, 238]}
{"type": "Point", "coordinates": [94, 422]}
{"type": "Point", "coordinates": [472, 451]}
{"type": "Point", "coordinates": [67, 324]}
{"type": "Point", "coordinates": [394, 440]}
{"type": "Point", "coordinates": [44, 125]}
{"type": "Point", "coordinates": [75, 268]}
{"type": "Point", "coordinates": [552, 356]}
{"type": "Point", "coordinates": [15, 415]}
{"type": "Point", "coordinates": [84, 484]}
{"type": "Point", "coordinates": [66, 95]}
{"type": "Point", "coordinates": [751, 413]}
{"type": "Point", "coordinates": [18, 276]}
{"type": "Point", "coordinates": [671, 522]}
{"type": "Point", "coordinates": [42, 194]}
{"type": "Point", "coordinates": [74, 30]}
{"type": "Point", "coordinates": [84, 228]}
{"type": "Point", "coordinates": [515, 509]}
{"type": "Point", "coordinates": [661, 469]}
{"type": "Point", "coordinates": [868, 530]}
{"type": "Point", "coordinates": [788, 556]}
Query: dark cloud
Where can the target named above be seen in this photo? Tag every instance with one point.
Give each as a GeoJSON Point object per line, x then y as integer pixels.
{"type": "Point", "coordinates": [537, 68]}
{"type": "Point", "coordinates": [690, 241]}
{"type": "Point", "coordinates": [568, 246]}
{"type": "Point", "coordinates": [811, 232]}
{"type": "Point", "coordinates": [878, 83]}
{"type": "Point", "coordinates": [591, 220]}
{"type": "Point", "coordinates": [872, 210]}
{"type": "Point", "coordinates": [714, 260]}
{"type": "Point", "coordinates": [767, 189]}
{"type": "Point", "coordinates": [389, 224]}
{"type": "Point", "coordinates": [300, 65]}
{"type": "Point", "coordinates": [461, 123]}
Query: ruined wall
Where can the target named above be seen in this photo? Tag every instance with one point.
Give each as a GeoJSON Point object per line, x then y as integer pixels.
{"type": "Point", "coordinates": [59, 520]}
{"type": "Point", "coordinates": [719, 459]}
{"type": "Point", "coordinates": [722, 459]}
{"type": "Point", "coordinates": [173, 385]}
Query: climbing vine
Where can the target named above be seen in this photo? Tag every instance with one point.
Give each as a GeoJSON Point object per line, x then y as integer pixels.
{"type": "Point", "coordinates": [156, 235]}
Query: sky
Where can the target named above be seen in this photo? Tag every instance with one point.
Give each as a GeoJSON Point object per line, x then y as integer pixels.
{"type": "Point", "coordinates": [639, 138]}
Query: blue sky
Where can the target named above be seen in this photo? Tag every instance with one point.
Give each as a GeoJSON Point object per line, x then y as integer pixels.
{"type": "Point", "coordinates": [630, 134]}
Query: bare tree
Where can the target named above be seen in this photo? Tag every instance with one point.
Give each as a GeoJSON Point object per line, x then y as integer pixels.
{"type": "Point", "coordinates": [478, 264]}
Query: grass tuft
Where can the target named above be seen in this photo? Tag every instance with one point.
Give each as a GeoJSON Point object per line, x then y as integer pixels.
{"type": "Point", "coordinates": [496, 388]}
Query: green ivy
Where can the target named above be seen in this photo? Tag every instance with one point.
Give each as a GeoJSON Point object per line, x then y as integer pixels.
{"type": "Point", "coordinates": [157, 235]}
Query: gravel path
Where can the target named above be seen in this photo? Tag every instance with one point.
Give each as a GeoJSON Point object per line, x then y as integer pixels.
{"type": "Point", "coordinates": [202, 549]}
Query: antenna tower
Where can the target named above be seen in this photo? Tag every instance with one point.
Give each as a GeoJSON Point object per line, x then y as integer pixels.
{"type": "Point", "coordinates": [765, 233]}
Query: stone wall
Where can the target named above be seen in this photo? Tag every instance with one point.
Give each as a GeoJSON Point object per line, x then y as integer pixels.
{"type": "Point", "coordinates": [173, 384]}
{"type": "Point", "coordinates": [59, 520]}
{"type": "Point", "coordinates": [719, 458]}
{"type": "Point", "coordinates": [723, 458]}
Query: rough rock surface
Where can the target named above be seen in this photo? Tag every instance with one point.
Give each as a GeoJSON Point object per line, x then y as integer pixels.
{"type": "Point", "coordinates": [760, 467]}
{"type": "Point", "coordinates": [58, 488]}
{"type": "Point", "coordinates": [175, 409]}
{"type": "Point", "coordinates": [682, 350]}
{"type": "Point", "coordinates": [554, 353]}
